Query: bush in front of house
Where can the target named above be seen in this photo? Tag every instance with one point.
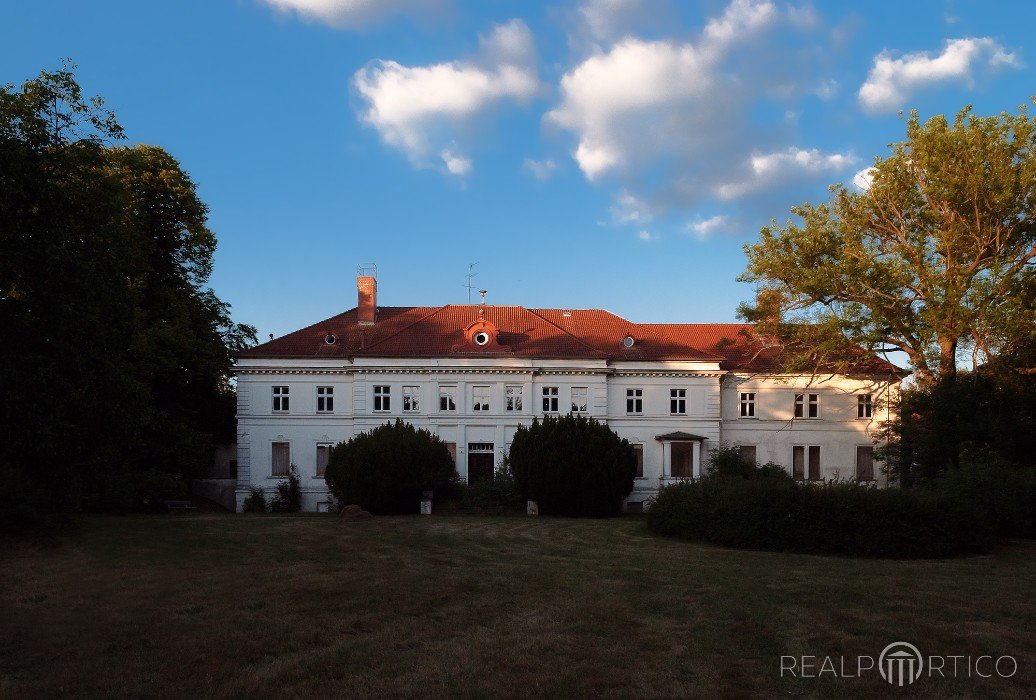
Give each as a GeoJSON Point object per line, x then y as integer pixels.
{"type": "Point", "coordinates": [127, 491]}
{"type": "Point", "coordinates": [1005, 491]}
{"type": "Point", "coordinates": [573, 465]}
{"type": "Point", "coordinates": [728, 460]}
{"type": "Point", "coordinates": [255, 502]}
{"type": "Point", "coordinates": [841, 518]}
{"type": "Point", "coordinates": [498, 495]}
{"type": "Point", "coordinates": [289, 495]}
{"type": "Point", "coordinates": [385, 470]}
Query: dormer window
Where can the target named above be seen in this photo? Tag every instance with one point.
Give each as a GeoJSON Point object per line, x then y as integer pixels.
{"type": "Point", "coordinates": [481, 333]}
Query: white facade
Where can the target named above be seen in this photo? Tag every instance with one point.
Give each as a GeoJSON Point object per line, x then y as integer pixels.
{"type": "Point", "coordinates": [706, 411]}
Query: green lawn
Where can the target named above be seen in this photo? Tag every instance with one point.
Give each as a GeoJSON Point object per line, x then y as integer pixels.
{"type": "Point", "coordinates": [305, 605]}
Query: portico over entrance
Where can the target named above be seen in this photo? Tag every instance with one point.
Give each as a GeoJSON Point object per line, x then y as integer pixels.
{"type": "Point", "coordinates": [681, 455]}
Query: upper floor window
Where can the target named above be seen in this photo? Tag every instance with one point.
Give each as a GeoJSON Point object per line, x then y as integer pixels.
{"type": "Point", "coordinates": [748, 404]}
{"type": "Point", "coordinates": [678, 402]}
{"type": "Point", "coordinates": [280, 399]}
{"type": "Point", "coordinates": [513, 398]}
{"type": "Point", "coordinates": [480, 398]}
{"type": "Point", "coordinates": [634, 401]}
{"type": "Point", "coordinates": [447, 398]}
{"type": "Point", "coordinates": [864, 406]}
{"type": "Point", "coordinates": [382, 398]}
{"type": "Point", "coordinates": [807, 405]}
{"type": "Point", "coordinates": [550, 399]}
{"type": "Point", "coordinates": [411, 398]}
{"type": "Point", "coordinates": [579, 399]}
{"type": "Point", "coordinates": [325, 399]}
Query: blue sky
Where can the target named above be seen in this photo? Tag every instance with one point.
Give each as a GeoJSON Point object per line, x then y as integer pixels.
{"type": "Point", "coordinates": [586, 153]}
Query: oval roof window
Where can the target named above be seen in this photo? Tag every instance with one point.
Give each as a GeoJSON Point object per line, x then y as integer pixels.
{"type": "Point", "coordinates": [481, 338]}
{"type": "Point", "coordinates": [628, 341]}
{"type": "Point", "coordinates": [330, 339]}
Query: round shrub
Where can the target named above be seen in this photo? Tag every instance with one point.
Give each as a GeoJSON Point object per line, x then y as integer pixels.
{"type": "Point", "coordinates": [839, 518]}
{"type": "Point", "coordinates": [728, 460]}
{"type": "Point", "coordinates": [572, 465]}
{"type": "Point", "coordinates": [385, 471]}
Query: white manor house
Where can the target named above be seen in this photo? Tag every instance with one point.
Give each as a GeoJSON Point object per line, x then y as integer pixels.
{"type": "Point", "coordinates": [473, 373]}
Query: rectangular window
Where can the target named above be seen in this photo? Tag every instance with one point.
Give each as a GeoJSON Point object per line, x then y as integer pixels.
{"type": "Point", "coordinates": [678, 402]}
{"type": "Point", "coordinates": [480, 398]}
{"type": "Point", "coordinates": [806, 462]}
{"type": "Point", "coordinates": [807, 405]}
{"type": "Point", "coordinates": [634, 401]}
{"type": "Point", "coordinates": [281, 459]}
{"type": "Point", "coordinates": [382, 398]}
{"type": "Point", "coordinates": [749, 452]}
{"type": "Point", "coordinates": [682, 461]}
{"type": "Point", "coordinates": [864, 463]}
{"type": "Point", "coordinates": [325, 399]}
{"type": "Point", "coordinates": [550, 399]}
{"type": "Point", "coordinates": [638, 450]}
{"type": "Point", "coordinates": [280, 399]}
{"type": "Point", "coordinates": [411, 399]}
{"type": "Point", "coordinates": [748, 404]}
{"type": "Point", "coordinates": [864, 406]}
{"type": "Point", "coordinates": [447, 398]}
{"type": "Point", "coordinates": [579, 404]}
{"type": "Point", "coordinates": [513, 398]}
{"type": "Point", "coordinates": [452, 447]}
{"type": "Point", "coordinates": [323, 452]}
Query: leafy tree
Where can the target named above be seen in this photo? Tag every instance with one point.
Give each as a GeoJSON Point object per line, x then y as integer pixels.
{"type": "Point", "coordinates": [116, 357]}
{"type": "Point", "coordinates": [573, 465]}
{"type": "Point", "coordinates": [385, 471]}
{"type": "Point", "coordinates": [936, 256]}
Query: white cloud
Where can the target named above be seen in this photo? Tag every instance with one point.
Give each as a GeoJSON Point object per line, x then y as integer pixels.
{"type": "Point", "coordinates": [455, 164]}
{"type": "Point", "coordinates": [703, 228]}
{"type": "Point", "coordinates": [352, 14]}
{"type": "Point", "coordinates": [540, 169]}
{"type": "Point", "coordinates": [827, 90]}
{"type": "Point", "coordinates": [647, 236]}
{"type": "Point", "coordinates": [770, 168]}
{"type": "Point", "coordinates": [863, 179]}
{"type": "Point", "coordinates": [670, 121]}
{"type": "Point", "coordinates": [418, 109]}
{"type": "Point", "coordinates": [609, 19]}
{"type": "Point", "coordinates": [892, 81]}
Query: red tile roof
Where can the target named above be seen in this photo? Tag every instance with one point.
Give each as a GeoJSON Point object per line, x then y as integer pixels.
{"type": "Point", "coordinates": [439, 331]}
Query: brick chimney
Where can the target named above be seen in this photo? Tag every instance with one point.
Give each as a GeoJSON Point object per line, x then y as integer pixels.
{"type": "Point", "coordinates": [367, 300]}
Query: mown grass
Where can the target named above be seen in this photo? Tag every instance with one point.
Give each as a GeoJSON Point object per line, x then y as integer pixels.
{"type": "Point", "coordinates": [233, 606]}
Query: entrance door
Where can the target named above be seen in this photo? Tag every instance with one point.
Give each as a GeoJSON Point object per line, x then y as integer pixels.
{"type": "Point", "coordinates": [481, 459]}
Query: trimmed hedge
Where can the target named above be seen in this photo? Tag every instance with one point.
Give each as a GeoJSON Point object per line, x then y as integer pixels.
{"type": "Point", "coordinates": [385, 471]}
{"type": "Point", "coordinates": [839, 518]}
{"type": "Point", "coordinates": [1004, 491]}
{"type": "Point", "coordinates": [573, 465]}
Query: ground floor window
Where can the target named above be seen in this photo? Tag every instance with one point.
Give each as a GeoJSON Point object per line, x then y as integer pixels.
{"type": "Point", "coordinates": [481, 461]}
{"type": "Point", "coordinates": [805, 461]}
{"type": "Point", "coordinates": [323, 452]}
{"type": "Point", "coordinates": [864, 463]}
{"type": "Point", "coordinates": [638, 450]}
{"type": "Point", "coordinates": [281, 458]}
{"type": "Point", "coordinates": [748, 452]}
{"type": "Point", "coordinates": [682, 460]}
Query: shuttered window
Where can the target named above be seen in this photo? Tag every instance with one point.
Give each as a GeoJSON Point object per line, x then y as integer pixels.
{"type": "Point", "coordinates": [864, 463]}
{"type": "Point", "coordinates": [281, 458]}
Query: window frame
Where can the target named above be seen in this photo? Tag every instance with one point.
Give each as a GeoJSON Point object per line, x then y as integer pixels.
{"type": "Point", "coordinates": [514, 398]}
{"type": "Point", "coordinates": [382, 398]}
{"type": "Point", "coordinates": [638, 450]}
{"type": "Point", "coordinates": [807, 452]}
{"type": "Point", "coordinates": [864, 406]}
{"type": "Point", "coordinates": [273, 459]}
{"type": "Point", "coordinates": [551, 399]}
{"type": "Point", "coordinates": [635, 401]}
{"type": "Point", "coordinates": [325, 399]}
{"type": "Point", "coordinates": [449, 393]}
{"type": "Point", "coordinates": [281, 398]}
{"type": "Point", "coordinates": [678, 402]}
{"type": "Point", "coordinates": [586, 399]}
{"type": "Point", "coordinates": [411, 393]}
{"type": "Point", "coordinates": [857, 465]}
{"type": "Point", "coordinates": [485, 404]}
{"type": "Point", "coordinates": [807, 406]}
{"type": "Point", "coordinates": [747, 404]}
{"type": "Point", "coordinates": [317, 473]}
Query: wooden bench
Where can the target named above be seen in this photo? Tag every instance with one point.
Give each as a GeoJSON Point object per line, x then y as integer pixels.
{"type": "Point", "coordinates": [179, 506]}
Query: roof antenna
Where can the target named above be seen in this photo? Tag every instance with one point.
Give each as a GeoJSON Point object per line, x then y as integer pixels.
{"type": "Point", "coordinates": [471, 274]}
{"type": "Point", "coordinates": [482, 293]}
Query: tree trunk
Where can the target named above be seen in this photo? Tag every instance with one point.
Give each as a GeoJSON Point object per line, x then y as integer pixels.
{"type": "Point", "coordinates": [947, 357]}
